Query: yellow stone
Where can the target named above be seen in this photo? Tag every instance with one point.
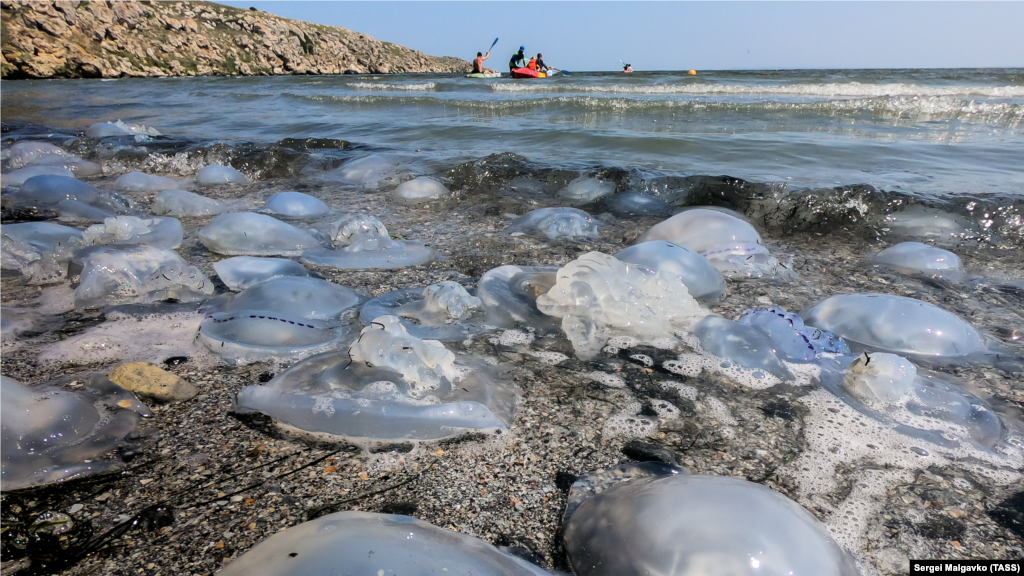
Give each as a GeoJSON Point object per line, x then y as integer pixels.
{"type": "Point", "coordinates": [151, 382]}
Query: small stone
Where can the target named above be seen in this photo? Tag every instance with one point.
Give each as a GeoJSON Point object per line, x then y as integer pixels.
{"type": "Point", "coordinates": [76, 508]}
{"type": "Point", "coordinates": [152, 383]}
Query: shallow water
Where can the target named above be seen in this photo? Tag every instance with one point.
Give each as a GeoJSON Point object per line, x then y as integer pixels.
{"type": "Point", "coordinates": [920, 131]}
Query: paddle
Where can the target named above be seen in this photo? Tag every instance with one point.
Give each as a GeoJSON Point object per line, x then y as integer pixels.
{"type": "Point", "coordinates": [492, 44]}
{"type": "Point", "coordinates": [564, 72]}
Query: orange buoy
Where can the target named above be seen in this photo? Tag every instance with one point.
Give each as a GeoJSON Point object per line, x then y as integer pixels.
{"type": "Point", "coordinates": [692, 72]}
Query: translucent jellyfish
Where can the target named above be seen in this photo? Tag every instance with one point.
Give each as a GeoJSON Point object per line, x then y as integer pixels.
{"type": "Point", "coordinates": [39, 250]}
{"type": "Point", "coordinates": [729, 243]}
{"type": "Point", "coordinates": [249, 234]}
{"type": "Point", "coordinates": [50, 435]}
{"type": "Point", "coordinates": [295, 205]}
{"type": "Point", "coordinates": [702, 280]}
{"type": "Point", "coordinates": [389, 386]}
{"type": "Point", "coordinates": [17, 321]}
{"type": "Point", "coordinates": [285, 318]}
{"type": "Point", "coordinates": [129, 230]}
{"type": "Point", "coordinates": [181, 203]}
{"type": "Point", "coordinates": [137, 274]}
{"type": "Point", "coordinates": [119, 128]}
{"type": "Point", "coordinates": [636, 204]}
{"type": "Point", "coordinates": [241, 272]}
{"type": "Point", "coordinates": [741, 344]}
{"type": "Point", "coordinates": [75, 211]}
{"type": "Point", "coordinates": [16, 178]}
{"type": "Point", "coordinates": [376, 544]}
{"type": "Point", "coordinates": [29, 152]}
{"type": "Point", "coordinates": [217, 174]}
{"type": "Point", "coordinates": [586, 189]}
{"type": "Point", "coordinates": [370, 172]}
{"type": "Point", "coordinates": [361, 241]}
{"type": "Point", "coordinates": [718, 525]}
{"type": "Point", "coordinates": [918, 403]}
{"type": "Point", "coordinates": [915, 257]}
{"type": "Point", "coordinates": [418, 191]}
{"type": "Point", "coordinates": [140, 182]}
{"type": "Point", "coordinates": [509, 295]}
{"type": "Point", "coordinates": [439, 312]}
{"type": "Point", "coordinates": [918, 222]}
{"type": "Point", "coordinates": [554, 223]}
{"type": "Point", "coordinates": [48, 190]}
{"type": "Point", "coordinates": [896, 324]}
{"type": "Point", "coordinates": [792, 340]}
{"type": "Point", "coordinates": [599, 297]}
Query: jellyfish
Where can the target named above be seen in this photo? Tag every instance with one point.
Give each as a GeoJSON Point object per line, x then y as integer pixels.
{"type": "Point", "coordinates": [419, 191]}
{"type": "Point", "coordinates": [370, 172]}
{"type": "Point", "coordinates": [599, 297]}
{"type": "Point", "coordinates": [180, 203]}
{"type": "Point", "coordinates": [39, 250]}
{"type": "Point", "coordinates": [586, 189]}
{"type": "Point", "coordinates": [718, 525]}
{"type": "Point", "coordinates": [376, 544]}
{"type": "Point", "coordinates": [50, 435]}
{"type": "Point", "coordinates": [33, 153]}
{"type": "Point", "coordinates": [742, 344]}
{"type": "Point", "coordinates": [140, 182]}
{"type": "Point", "coordinates": [629, 204]}
{"type": "Point", "coordinates": [119, 128]}
{"type": "Point", "coordinates": [281, 319]}
{"type": "Point", "coordinates": [792, 340]}
{"type": "Point", "coordinates": [295, 205]}
{"type": "Point", "coordinates": [249, 234]}
{"type": "Point", "coordinates": [75, 211]}
{"type": "Point", "coordinates": [49, 189]}
{"type": "Point", "coordinates": [16, 178]}
{"type": "Point", "coordinates": [217, 174]}
{"type": "Point", "coordinates": [361, 241]}
{"type": "Point", "coordinates": [554, 223]}
{"type": "Point", "coordinates": [918, 222]}
{"type": "Point", "coordinates": [389, 385]}
{"type": "Point", "coordinates": [731, 244]}
{"type": "Point", "coordinates": [241, 272]}
{"type": "Point", "coordinates": [137, 274]}
{"type": "Point", "coordinates": [702, 280]}
{"type": "Point", "coordinates": [438, 312]}
{"type": "Point", "coordinates": [915, 257]}
{"type": "Point", "coordinates": [509, 296]}
{"type": "Point", "coordinates": [897, 325]}
{"type": "Point", "coordinates": [129, 230]}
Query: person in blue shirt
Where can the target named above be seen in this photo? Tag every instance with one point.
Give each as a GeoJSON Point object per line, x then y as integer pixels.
{"type": "Point", "coordinates": [518, 59]}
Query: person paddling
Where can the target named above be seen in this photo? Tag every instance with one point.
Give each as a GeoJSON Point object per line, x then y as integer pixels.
{"type": "Point", "coordinates": [518, 59]}
{"type": "Point", "coordinates": [627, 68]}
{"type": "Point", "coordinates": [478, 64]}
{"type": "Point", "coordinates": [540, 63]}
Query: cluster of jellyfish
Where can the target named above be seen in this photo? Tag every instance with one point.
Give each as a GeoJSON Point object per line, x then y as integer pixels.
{"type": "Point", "coordinates": [382, 368]}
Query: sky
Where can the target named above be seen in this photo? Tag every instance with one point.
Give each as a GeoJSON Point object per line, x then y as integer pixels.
{"type": "Point", "coordinates": [589, 35]}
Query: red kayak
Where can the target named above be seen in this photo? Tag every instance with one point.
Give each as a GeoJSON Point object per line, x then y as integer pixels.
{"type": "Point", "coordinates": [527, 73]}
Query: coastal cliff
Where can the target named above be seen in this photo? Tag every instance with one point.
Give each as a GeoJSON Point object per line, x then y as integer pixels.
{"type": "Point", "coordinates": [105, 39]}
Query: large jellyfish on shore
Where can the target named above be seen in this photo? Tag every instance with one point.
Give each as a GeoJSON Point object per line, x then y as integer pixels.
{"type": "Point", "coordinates": [586, 189]}
{"type": "Point", "coordinates": [918, 258]}
{"type": "Point", "coordinates": [917, 222]}
{"type": "Point", "coordinates": [16, 178]}
{"type": "Point", "coordinates": [792, 340]}
{"type": "Point", "coordinates": [50, 435]}
{"type": "Point", "coordinates": [509, 295]}
{"type": "Point", "coordinates": [717, 525]}
{"type": "Point", "coordinates": [702, 280]}
{"type": "Point", "coordinates": [128, 230]}
{"type": "Point", "coordinates": [39, 250]}
{"type": "Point", "coordinates": [599, 297]}
{"type": "Point", "coordinates": [361, 241]}
{"type": "Point", "coordinates": [370, 172]}
{"type": "Point", "coordinates": [742, 344]}
{"type": "Point", "coordinates": [388, 386]}
{"type": "Point", "coordinates": [241, 272]}
{"type": "Point", "coordinates": [73, 198]}
{"type": "Point", "coordinates": [629, 204]}
{"type": "Point", "coordinates": [280, 319]}
{"type": "Point", "coordinates": [295, 205]}
{"type": "Point", "coordinates": [554, 223]}
{"type": "Point", "coordinates": [249, 234]}
{"type": "Point", "coordinates": [896, 324]}
{"type": "Point", "coordinates": [376, 544]}
{"type": "Point", "coordinates": [419, 191]}
{"type": "Point", "coordinates": [137, 274]}
{"type": "Point", "coordinates": [218, 174]}
{"type": "Point", "coordinates": [180, 203]}
{"type": "Point", "coordinates": [729, 243]}
{"type": "Point", "coordinates": [141, 182]}
{"type": "Point", "coordinates": [33, 153]}
{"type": "Point", "coordinates": [438, 312]}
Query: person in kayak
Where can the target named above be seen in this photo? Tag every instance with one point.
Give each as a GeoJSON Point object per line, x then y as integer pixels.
{"type": "Point", "coordinates": [540, 63]}
{"type": "Point", "coordinates": [478, 64]}
{"type": "Point", "coordinates": [627, 68]}
{"type": "Point", "coordinates": [518, 59]}
{"type": "Point", "coordinates": [532, 64]}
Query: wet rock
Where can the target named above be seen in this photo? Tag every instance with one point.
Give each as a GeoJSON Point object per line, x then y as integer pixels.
{"type": "Point", "coordinates": [152, 383]}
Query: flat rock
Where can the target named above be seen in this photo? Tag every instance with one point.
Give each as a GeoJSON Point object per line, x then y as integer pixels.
{"type": "Point", "coordinates": [152, 383]}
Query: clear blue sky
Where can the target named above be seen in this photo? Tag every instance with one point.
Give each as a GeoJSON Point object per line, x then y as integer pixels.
{"type": "Point", "coordinates": [587, 35]}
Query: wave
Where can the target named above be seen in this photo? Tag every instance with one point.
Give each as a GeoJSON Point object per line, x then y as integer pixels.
{"type": "Point", "coordinates": [385, 86]}
{"type": "Point", "coordinates": [832, 90]}
{"type": "Point", "coordinates": [888, 108]}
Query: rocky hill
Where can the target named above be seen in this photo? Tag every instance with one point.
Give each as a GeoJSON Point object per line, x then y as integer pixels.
{"type": "Point", "coordinates": [76, 39]}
